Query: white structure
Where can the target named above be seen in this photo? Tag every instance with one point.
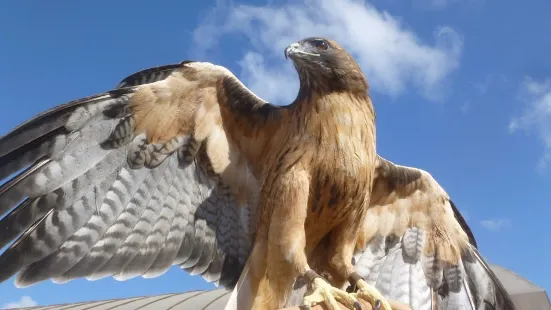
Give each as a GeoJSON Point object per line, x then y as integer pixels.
{"type": "Point", "coordinates": [525, 294]}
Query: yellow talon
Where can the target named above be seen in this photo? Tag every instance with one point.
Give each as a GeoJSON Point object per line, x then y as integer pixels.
{"type": "Point", "coordinates": [371, 295]}
{"type": "Point", "coordinates": [324, 292]}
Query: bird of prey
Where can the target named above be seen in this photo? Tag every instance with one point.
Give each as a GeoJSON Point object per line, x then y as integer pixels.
{"type": "Point", "coordinates": [183, 165]}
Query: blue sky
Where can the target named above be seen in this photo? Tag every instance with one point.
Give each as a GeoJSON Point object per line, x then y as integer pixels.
{"type": "Point", "coordinates": [462, 89]}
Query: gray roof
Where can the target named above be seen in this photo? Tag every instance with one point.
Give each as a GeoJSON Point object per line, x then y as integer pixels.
{"type": "Point", "coordinates": [525, 294]}
{"type": "Point", "coordinates": [514, 284]}
{"type": "Point", "coordinates": [207, 300]}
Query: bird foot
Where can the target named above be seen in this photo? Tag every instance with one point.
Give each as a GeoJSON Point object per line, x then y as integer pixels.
{"type": "Point", "coordinates": [370, 294]}
{"type": "Point", "coordinates": [323, 292]}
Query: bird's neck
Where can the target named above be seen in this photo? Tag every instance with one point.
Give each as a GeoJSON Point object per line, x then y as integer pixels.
{"type": "Point", "coordinates": [337, 103]}
{"type": "Point", "coordinates": [321, 115]}
{"type": "Point", "coordinates": [318, 84]}
{"type": "Point", "coordinates": [339, 130]}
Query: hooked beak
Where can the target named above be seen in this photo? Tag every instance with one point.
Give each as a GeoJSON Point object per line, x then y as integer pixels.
{"type": "Point", "coordinates": [296, 49]}
{"type": "Point", "coordinates": [291, 50]}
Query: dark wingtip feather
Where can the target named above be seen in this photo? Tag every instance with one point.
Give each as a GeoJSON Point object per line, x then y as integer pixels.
{"type": "Point", "coordinates": [41, 124]}
{"type": "Point", "coordinates": [506, 302]}
{"type": "Point", "coordinates": [19, 158]}
{"type": "Point", "coordinates": [7, 201]}
{"type": "Point", "coordinates": [463, 224]}
{"type": "Point", "coordinates": [11, 260]}
{"type": "Point", "coordinates": [11, 225]}
{"type": "Point", "coordinates": [33, 256]}
{"type": "Point", "coordinates": [149, 75]}
{"type": "Point", "coordinates": [8, 269]}
{"type": "Point", "coordinates": [30, 135]}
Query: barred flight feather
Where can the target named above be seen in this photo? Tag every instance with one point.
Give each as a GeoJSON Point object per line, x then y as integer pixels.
{"type": "Point", "coordinates": [102, 194]}
{"type": "Point", "coordinates": [166, 170]}
{"type": "Point", "coordinates": [405, 263]}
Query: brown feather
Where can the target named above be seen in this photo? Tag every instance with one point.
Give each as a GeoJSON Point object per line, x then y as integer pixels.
{"type": "Point", "coordinates": [198, 100]}
{"type": "Point", "coordinates": [405, 197]}
{"type": "Point", "coordinates": [311, 167]}
{"type": "Point", "coordinates": [328, 141]}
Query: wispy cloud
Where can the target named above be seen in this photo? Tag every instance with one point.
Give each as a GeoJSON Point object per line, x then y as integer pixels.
{"type": "Point", "coordinates": [393, 57]}
{"type": "Point", "coordinates": [536, 116]}
{"type": "Point", "coordinates": [465, 107]}
{"type": "Point", "coordinates": [441, 4]}
{"type": "Point", "coordinates": [483, 85]}
{"type": "Point", "coordinates": [496, 224]}
{"type": "Point", "coordinates": [23, 302]}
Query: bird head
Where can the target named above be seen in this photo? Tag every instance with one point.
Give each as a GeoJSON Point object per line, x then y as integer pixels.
{"type": "Point", "coordinates": [324, 64]}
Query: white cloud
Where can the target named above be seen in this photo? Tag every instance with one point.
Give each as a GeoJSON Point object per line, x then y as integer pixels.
{"type": "Point", "coordinates": [23, 302]}
{"type": "Point", "coordinates": [536, 117]}
{"type": "Point", "coordinates": [393, 57]}
{"type": "Point", "coordinates": [496, 224]}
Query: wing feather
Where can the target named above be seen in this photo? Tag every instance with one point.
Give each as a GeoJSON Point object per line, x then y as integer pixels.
{"type": "Point", "coordinates": [155, 173]}
{"type": "Point", "coordinates": [432, 262]}
{"type": "Point", "coordinates": [112, 240]}
{"type": "Point", "coordinates": [429, 261]}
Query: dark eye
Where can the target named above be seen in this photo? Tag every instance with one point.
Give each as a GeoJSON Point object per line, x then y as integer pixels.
{"type": "Point", "coordinates": [320, 45]}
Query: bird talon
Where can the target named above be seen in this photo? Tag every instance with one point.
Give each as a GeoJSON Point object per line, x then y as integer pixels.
{"type": "Point", "coordinates": [371, 295]}
{"type": "Point", "coordinates": [323, 292]}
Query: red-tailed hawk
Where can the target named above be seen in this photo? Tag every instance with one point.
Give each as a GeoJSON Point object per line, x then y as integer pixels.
{"type": "Point", "coordinates": [183, 165]}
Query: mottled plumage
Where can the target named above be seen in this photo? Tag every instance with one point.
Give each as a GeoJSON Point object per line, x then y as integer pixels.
{"type": "Point", "coordinates": [183, 165]}
{"type": "Point", "coordinates": [397, 254]}
{"type": "Point", "coordinates": [130, 182]}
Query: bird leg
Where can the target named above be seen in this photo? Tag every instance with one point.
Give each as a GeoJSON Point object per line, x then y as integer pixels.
{"type": "Point", "coordinates": [341, 249]}
{"type": "Point", "coordinates": [368, 293]}
{"type": "Point", "coordinates": [322, 291]}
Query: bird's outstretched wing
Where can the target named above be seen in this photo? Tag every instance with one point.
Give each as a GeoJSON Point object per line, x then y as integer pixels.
{"type": "Point", "coordinates": [417, 249]}
{"type": "Point", "coordinates": [154, 173]}
{"type": "Point", "coordinates": [430, 259]}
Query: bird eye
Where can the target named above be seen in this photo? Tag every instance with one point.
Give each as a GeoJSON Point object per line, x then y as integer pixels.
{"type": "Point", "coordinates": [320, 45]}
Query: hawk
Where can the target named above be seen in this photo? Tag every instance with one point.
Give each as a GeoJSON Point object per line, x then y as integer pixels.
{"type": "Point", "coordinates": [183, 165]}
